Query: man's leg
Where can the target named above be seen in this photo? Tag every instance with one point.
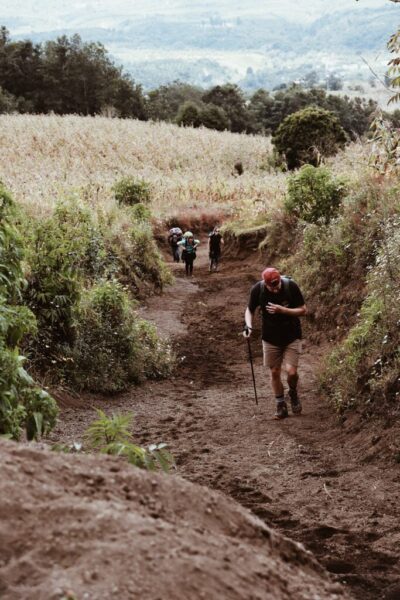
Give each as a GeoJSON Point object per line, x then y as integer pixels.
{"type": "Point", "coordinates": [273, 356]}
{"type": "Point", "coordinates": [292, 354]}
{"type": "Point", "coordinates": [276, 381]}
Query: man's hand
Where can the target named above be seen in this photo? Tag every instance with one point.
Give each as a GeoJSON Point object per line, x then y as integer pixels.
{"type": "Point", "coordinates": [275, 309]}
{"type": "Point", "coordinates": [247, 331]}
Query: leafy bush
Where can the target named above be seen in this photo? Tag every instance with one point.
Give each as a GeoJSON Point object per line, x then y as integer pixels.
{"type": "Point", "coordinates": [307, 136]}
{"type": "Point", "coordinates": [314, 195]}
{"type": "Point", "coordinates": [41, 412]}
{"type": "Point", "coordinates": [111, 435]}
{"type": "Point", "coordinates": [138, 258]}
{"type": "Point", "coordinates": [140, 212]}
{"type": "Point", "coordinates": [130, 191]}
{"type": "Point", "coordinates": [22, 405]}
{"type": "Point", "coordinates": [366, 366]}
{"type": "Point", "coordinates": [113, 348]}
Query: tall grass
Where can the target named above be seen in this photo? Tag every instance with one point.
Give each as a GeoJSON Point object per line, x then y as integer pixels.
{"type": "Point", "coordinates": [46, 157]}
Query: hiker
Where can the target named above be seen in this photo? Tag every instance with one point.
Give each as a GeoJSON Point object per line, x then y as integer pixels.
{"type": "Point", "coordinates": [281, 304]}
{"type": "Point", "coordinates": [215, 242]}
{"type": "Point", "coordinates": [175, 236]}
{"type": "Point", "coordinates": [189, 245]}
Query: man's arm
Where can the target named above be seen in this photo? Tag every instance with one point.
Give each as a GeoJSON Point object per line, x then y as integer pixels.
{"type": "Point", "coordinates": [274, 309]}
{"type": "Point", "coordinates": [248, 319]}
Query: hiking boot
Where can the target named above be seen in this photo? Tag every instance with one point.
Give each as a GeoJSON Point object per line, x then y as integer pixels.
{"type": "Point", "coordinates": [295, 402]}
{"type": "Point", "coordinates": [281, 411]}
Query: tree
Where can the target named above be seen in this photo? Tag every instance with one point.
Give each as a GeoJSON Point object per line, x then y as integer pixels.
{"type": "Point", "coordinates": [164, 102]}
{"type": "Point", "coordinates": [214, 117]}
{"type": "Point", "coordinates": [230, 98]}
{"type": "Point", "coordinates": [307, 136]}
{"type": "Point", "coordinates": [188, 115]}
{"type": "Point", "coordinates": [65, 76]}
{"type": "Point", "coordinates": [260, 111]}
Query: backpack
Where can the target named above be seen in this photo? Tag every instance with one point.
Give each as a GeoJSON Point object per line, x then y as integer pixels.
{"type": "Point", "coordinates": [186, 252]}
{"type": "Point", "coordinates": [285, 286]}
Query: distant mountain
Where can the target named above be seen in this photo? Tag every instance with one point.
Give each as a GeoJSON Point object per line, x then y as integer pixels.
{"type": "Point", "coordinates": [254, 43]}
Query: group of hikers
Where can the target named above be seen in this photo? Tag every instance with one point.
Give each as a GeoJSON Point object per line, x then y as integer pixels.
{"type": "Point", "coordinates": [184, 246]}
{"type": "Point", "coordinates": [280, 302]}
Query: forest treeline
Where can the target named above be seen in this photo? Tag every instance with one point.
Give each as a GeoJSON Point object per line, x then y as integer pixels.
{"type": "Point", "coordinates": [69, 75]}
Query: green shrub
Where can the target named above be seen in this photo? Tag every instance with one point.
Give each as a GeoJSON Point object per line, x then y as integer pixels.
{"type": "Point", "coordinates": [307, 136]}
{"type": "Point", "coordinates": [333, 260]}
{"type": "Point", "coordinates": [130, 191]}
{"type": "Point", "coordinates": [66, 249]}
{"type": "Point", "coordinates": [138, 259]}
{"type": "Point", "coordinates": [113, 348]}
{"type": "Point", "coordinates": [11, 250]}
{"type": "Point", "coordinates": [41, 412]}
{"type": "Point", "coordinates": [141, 212]}
{"type": "Point", "coordinates": [314, 195]}
{"type": "Point", "coordinates": [365, 367]}
{"type": "Point", "coordinates": [22, 405]}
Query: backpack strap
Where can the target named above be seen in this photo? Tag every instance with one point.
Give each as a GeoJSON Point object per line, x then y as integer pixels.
{"type": "Point", "coordinates": [286, 288]}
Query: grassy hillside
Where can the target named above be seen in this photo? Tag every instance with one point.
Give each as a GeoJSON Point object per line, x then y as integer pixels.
{"type": "Point", "coordinates": [46, 158]}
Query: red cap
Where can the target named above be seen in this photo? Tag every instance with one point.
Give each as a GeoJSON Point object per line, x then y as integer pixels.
{"type": "Point", "coordinates": [271, 276]}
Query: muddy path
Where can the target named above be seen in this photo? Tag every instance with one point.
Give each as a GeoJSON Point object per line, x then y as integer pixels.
{"type": "Point", "coordinates": [305, 476]}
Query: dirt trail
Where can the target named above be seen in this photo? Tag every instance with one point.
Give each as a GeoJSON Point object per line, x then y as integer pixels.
{"type": "Point", "coordinates": [305, 476]}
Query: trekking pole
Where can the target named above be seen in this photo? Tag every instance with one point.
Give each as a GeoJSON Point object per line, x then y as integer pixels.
{"type": "Point", "coordinates": [252, 369]}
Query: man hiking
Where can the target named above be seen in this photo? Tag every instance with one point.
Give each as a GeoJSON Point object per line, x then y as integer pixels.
{"type": "Point", "coordinates": [215, 242]}
{"type": "Point", "coordinates": [175, 236]}
{"type": "Point", "coordinates": [188, 245]}
{"type": "Point", "coordinates": [281, 304]}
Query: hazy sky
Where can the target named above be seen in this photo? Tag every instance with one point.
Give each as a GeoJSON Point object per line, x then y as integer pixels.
{"type": "Point", "coordinates": [50, 13]}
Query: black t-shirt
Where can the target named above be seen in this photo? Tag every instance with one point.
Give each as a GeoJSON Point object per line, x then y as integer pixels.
{"type": "Point", "coordinates": [278, 329]}
{"type": "Point", "coordinates": [215, 242]}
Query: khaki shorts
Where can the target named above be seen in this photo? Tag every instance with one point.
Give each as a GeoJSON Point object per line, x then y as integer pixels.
{"type": "Point", "coordinates": [274, 356]}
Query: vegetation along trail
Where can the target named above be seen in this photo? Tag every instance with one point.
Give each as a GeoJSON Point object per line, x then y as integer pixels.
{"type": "Point", "coordinates": [310, 477]}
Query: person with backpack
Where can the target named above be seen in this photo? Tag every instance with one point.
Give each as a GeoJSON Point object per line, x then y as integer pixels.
{"type": "Point", "coordinates": [215, 242]}
{"type": "Point", "coordinates": [189, 246]}
{"type": "Point", "coordinates": [175, 236]}
{"type": "Point", "coordinates": [281, 304]}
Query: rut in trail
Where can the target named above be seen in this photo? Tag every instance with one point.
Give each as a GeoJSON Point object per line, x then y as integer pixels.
{"type": "Point", "coordinates": [305, 476]}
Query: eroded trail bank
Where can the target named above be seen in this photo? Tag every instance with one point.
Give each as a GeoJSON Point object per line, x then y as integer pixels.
{"type": "Point", "coordinates": [305, 476]}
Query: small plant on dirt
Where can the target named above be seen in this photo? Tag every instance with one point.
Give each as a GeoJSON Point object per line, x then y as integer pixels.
{"type": "Point", "coordinates": [314, 195]}
{"type": "Point", "coordinates": [111, 435]}
{"type": "Point", "coordinates": [130, 191]}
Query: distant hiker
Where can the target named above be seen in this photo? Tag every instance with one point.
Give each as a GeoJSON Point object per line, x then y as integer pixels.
{"type": "Point", "coordinates": [188, 245]}
{"type": "Point", "coordinates": [175, 236]}
{"type": "Point", "coordinates": [215, 242]}
{"type": "Point", "coordinates": [281, 304]}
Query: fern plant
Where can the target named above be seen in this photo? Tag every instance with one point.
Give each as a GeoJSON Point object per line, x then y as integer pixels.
{"type": "Point", "coordinates": [111, 435]}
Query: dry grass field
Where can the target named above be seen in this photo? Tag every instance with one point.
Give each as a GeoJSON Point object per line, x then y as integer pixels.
{"type": "Point", "coordinates": [45, 158]}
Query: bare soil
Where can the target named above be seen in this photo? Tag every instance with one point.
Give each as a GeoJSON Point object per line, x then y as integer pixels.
{"type": "Point", "coordinates": [93, 528]}
{"type": "Point", "coordinates": [328, 483]}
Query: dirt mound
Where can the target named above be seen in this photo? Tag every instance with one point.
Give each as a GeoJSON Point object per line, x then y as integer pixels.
{"type": "Point", "coordinates": [93, 527]}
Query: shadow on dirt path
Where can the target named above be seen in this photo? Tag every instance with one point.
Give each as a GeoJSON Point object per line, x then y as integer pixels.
{"type": "Point", "coordinates": [300, 475]}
